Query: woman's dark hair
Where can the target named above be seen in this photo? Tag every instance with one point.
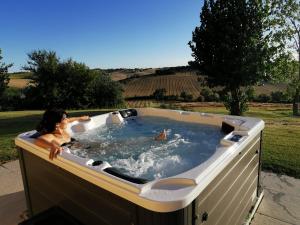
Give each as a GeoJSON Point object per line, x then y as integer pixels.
{"type": "Point", "coordinates": [50, 118]}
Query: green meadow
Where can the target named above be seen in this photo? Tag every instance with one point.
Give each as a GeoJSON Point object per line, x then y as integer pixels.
{"type": "Point", "coordinates": [281, 136]}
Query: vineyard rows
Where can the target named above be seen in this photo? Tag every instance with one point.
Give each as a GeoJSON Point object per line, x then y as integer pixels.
{"type": "Point", "coordinates": [174, 85]}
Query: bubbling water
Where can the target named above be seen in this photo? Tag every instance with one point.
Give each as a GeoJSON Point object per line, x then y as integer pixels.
{"type": "Point", "coordinates": [132, 149]}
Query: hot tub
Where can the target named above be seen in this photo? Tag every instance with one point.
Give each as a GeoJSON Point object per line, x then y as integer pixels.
{"type": "Point", "coordinates": [218, 183]}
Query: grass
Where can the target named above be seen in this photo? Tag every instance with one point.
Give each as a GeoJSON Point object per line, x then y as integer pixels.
{"type": "Point", "coordinates": [20, 75]}
{"type": "Point", "coordinates": [281, 136]}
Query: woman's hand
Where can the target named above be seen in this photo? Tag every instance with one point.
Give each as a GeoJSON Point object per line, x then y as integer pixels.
{"type": "Point", "coordinates": [54, 151]}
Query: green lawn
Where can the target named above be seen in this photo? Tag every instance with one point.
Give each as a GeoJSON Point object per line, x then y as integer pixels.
{"type": "Point", "coordinates": [281, 140]}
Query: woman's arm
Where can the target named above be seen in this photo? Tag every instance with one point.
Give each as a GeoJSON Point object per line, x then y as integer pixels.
{"type": "Point", "coordinates": [80, 118]}
{"type": "Point", "coordinates": [46, 142]}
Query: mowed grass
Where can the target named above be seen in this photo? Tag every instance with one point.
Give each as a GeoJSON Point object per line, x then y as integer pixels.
{"type": "Point", "coordinates": [281, 136]}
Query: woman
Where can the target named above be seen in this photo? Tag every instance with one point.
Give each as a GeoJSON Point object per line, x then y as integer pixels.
{"type": "Point", "coordinates": [52, 129]}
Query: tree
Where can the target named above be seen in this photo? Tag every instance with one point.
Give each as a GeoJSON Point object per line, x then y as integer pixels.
{"type": "Point", "coordinates": [284, 31]}
{"type": "Point", "coordinates": [229, 48]}
{"type": "Point", "coordinates": [186, 97]}
{"type": "Point", "coordinates": [73, 84]}
{"type": "Point", "coordinates": [4, 77]}
{"type": "Point", "coordinates": [57, 83]}
{"type": "Point", "coordinates": [43, 65]}
{"type": "Point", "coordinates": [104, 92]}
{"type": "Point", "coordinates": [159, 94]}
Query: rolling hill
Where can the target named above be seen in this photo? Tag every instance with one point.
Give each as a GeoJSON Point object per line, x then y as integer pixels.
{"type": "Point", "coordinates": [143, 82]}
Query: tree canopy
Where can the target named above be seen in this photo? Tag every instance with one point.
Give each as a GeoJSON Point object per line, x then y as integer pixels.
{"type": "Point", "coordinates": [67, 84]}
{"type": "Point", "coordinates": [229, 48]}
{"type": "Point", "coordinates": [283, 31]}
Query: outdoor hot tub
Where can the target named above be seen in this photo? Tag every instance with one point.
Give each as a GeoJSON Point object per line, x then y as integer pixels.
{"type": "Point", "coordinates": [206, 172]}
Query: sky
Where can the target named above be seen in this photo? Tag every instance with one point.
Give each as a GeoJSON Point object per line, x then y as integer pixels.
{"type": "Point", "coordinates": [100, 33]}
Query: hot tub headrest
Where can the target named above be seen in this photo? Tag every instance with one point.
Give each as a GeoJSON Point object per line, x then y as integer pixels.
{"type": "Point", "coordinates": [128, 113]}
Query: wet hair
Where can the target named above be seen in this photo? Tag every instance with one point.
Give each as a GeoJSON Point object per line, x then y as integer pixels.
{"type": "Point", "coordinates": [50, 118]}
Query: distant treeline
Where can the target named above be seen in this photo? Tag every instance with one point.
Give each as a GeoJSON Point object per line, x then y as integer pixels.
{"type": "Point", "coordinates": [173, 70]}
{"type": "Point", "coordinates": [64, 84]}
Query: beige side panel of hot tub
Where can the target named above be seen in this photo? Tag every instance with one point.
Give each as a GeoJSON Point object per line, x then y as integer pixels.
{"type": "Point", "coordinates": [227, 199]}
{"type": "Point", "coordinates": [49, 185]}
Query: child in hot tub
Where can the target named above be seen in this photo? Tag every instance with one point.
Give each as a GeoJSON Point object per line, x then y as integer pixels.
{"type": "Point", "coordinates": [52, 130]}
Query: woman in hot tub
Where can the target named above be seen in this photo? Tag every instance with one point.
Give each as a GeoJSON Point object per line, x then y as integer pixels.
{"type": "Point", "coordinates": [52, 133]}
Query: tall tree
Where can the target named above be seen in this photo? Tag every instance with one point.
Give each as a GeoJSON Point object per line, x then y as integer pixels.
{"type": "Point", "coordinates": [284, 31]}
{"type": "Point", "coordinates": [44, 66]}
{"type": "Point", "coordinates": [4, 77]}
{"type": "Point", "coordinates": [229, 48]}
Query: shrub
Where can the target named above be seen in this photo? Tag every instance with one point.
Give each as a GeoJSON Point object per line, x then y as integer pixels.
{"type": "Point", "coordinates": [104, 92]}
{"type": "Point", "coordinates": [172, 97]}
{"type": "Point", "coordinates": [209, 95]}
{"type": "Point", "coordinates": [263, 98]}
{"type": "Point", "coordinates": [250, 92]}
{"type": "Point", "coordinates": [279, 96]}
{"type": "Point", "coordinates": [159, 94]}
{"type": "Point", "coordinates": [186, 97]}
{"type": "Point", "coordinates": [201, 98]}
{"type": "Point", "coordinates": [12, 99]}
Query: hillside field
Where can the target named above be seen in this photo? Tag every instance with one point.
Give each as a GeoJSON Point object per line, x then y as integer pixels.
{"type": "Point", "coordinates": [142, 83]}
{"type": "Point", "coordinates": [174, 85]}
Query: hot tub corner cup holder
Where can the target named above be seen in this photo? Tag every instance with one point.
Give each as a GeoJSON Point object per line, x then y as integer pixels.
{"type": "Point", "coordinates": [233, 138]}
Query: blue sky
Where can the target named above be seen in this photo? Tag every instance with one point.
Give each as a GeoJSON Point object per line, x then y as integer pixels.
{"type": "Point", "coordinates": [100, 33]}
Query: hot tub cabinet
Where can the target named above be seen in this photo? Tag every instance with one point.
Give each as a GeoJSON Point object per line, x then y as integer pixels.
{"type": "Point", "coordinates": [222, 190]}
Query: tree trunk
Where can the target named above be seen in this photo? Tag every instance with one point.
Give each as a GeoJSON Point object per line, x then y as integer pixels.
{"type": "Point", "coordinates": [296, 101]}
{"type": "Point", "coordinates": [235, 108]}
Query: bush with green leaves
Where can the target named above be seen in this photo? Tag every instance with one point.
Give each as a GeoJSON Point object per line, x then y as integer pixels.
{"type": "Point", "coordinates": [159, 94]}
{"type": "Point", "coordinates": [104, 92]}
{"type": "Point", "coordinates": [186, 97]}
{"type": "Point", "coordinates": [201, 98]}
{"type": "Point", "coordinates": [12, 99]}
{"type": "Point", "coordinates": [263, 98]}
{"type": "Point", "coordinates": [209, 95]}
{"type": "Point", "coordinates": [279, 97]}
